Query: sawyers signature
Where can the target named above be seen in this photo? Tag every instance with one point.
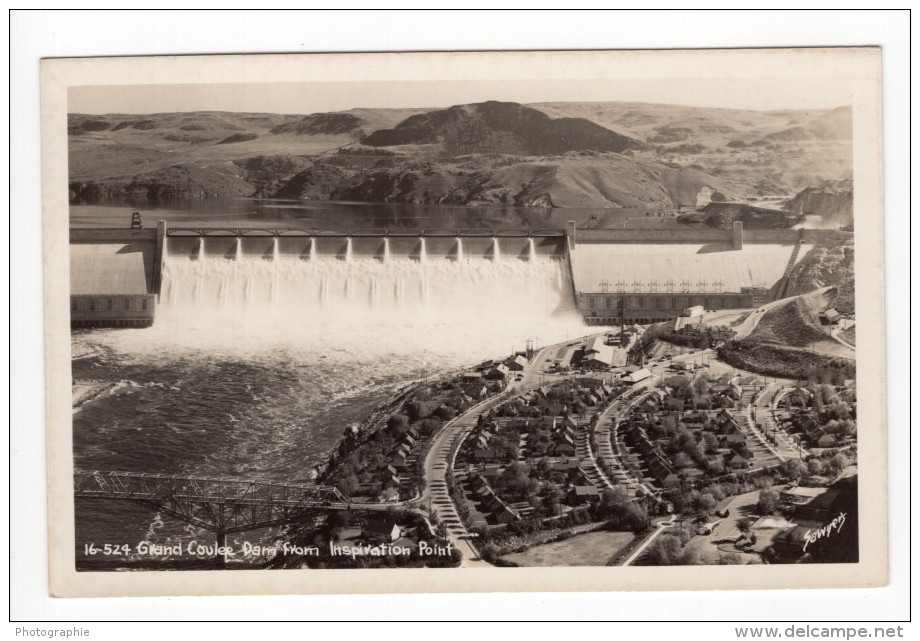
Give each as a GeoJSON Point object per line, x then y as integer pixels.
{"type": "Point", "coordinates": [813, 536]}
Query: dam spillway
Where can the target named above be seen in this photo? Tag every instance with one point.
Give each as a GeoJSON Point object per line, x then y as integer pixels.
{"type": "Point", "coordinates": [272, 245]}
{"type": "Point", "coordinates": [362, 284]}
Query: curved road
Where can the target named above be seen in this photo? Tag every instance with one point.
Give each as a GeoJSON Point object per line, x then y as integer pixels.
{"type": "Point", "coordinates": [436, 496]}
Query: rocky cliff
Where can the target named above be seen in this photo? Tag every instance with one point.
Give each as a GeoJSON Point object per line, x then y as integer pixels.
{"type": "Point", "coordinates": [831, 202]}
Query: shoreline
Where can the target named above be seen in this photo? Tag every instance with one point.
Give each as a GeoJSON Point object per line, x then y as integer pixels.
{"type": "Point", "coordinates": [86, 391]}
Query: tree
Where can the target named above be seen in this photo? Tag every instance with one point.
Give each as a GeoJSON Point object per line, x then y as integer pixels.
{"type": "Point", "coordinates": [636, 518]}
{"type": "Point", "coordinates": [744, 525]}
{"type": "Point", "coordinates": [768, 501]}
{"type": "Point", "coordinates": [794, 469]}
{"type": "Point", "coordinates": [444, 413]}
{"type": "Point", "coordinates": [682, 459]}
{"type": "Point", "coordinates": [398, 423]}
{"type": "Point", "coordinates": [710, 442]}
{"type": "Point", "coordinates": [815, 467]}
{"type": "Point", "coordinates": [348, 484]}
{"type": "Point", "coordinates": [416, 410]}
{"type": "Point", "coordinates": [428, 426]}
{"type": "Point", "coordinates": [664, 551]}
{"type": "Point", "coordinates": [715, 466]}
{"type": "Point", "coordinates": [706, 503]}
{"type": "Point", "coordinates": [715, 490]}
{"type": "Point", "coordinates": [838, 463]}
{"type": "Point", "coordinates": [335, 521]}
{"type": "Point", "coordinates": [689, 556]}
{"type": "Point", "coordinates": [700, 386]}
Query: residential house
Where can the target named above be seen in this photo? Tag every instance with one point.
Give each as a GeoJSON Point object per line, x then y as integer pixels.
{"type": "Point", "coordinates": [820, 508]}
{"type": "Point", "coordinates": [566, 447]}
{"type": "Point", "coordinates": [504, 514]}
{"type": "Point", "coordinates": [499, 372]}
{"type": "Point", "coordinates": [381, 531]}
{"type": "Point", "coordinates": [830, 315]}
{"type": "Point", "coordinates": [738, 462]}
{"type": "Point", "coordinates": [797, 495]}
{"type": "Point", "coordinates": [518, 363]}
{"type": "Point", "coordinates": [582, 494]}
{"type": "Point", "coordinates": [812, 430]}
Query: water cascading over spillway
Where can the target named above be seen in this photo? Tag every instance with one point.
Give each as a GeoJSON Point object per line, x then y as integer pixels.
{"type": "Point", "coordinates": [386, 250]}
{"type": "Point", "coordinates": [531, 250]}
{"type": "Point", "coordinates": [402, 305]}
{"type": "Point", "coordinates": [496, 250]}
{"type": "Point", "coordinates": [422, 253]}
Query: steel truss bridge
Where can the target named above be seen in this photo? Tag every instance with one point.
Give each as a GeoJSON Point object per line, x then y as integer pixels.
{"type": "Point", "coordinates": [221, 506]}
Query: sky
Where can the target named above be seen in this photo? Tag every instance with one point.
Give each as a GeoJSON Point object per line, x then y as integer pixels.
{"type": "Point", "coordinates": [306, 98]}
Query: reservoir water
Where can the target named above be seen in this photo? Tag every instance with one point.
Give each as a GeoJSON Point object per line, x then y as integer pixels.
{"type": "Point", "coordinates": [255, 367]}
{"type": "Point", "coordinates": [340, 216]}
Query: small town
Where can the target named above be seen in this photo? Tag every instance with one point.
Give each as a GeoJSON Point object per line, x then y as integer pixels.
{"type": "Point", "coordinates": [620, 448]}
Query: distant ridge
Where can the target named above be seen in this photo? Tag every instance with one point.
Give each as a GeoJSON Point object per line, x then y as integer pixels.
{"type": "Point", "coordinates": [567, 154]}
{"type": "Point", "coordinates": [502, 127]}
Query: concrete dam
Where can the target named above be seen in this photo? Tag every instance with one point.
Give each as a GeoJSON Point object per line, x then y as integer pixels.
{"type": "Point", "coordinates": [120, 276]}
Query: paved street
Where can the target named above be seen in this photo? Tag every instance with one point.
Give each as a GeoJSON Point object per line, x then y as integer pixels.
{"type": "Point", "coordinates": [436, 495]}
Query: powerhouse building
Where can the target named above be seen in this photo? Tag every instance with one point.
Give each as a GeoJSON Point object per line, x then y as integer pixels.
{"type": "Point", "coordinates": [647, 276]}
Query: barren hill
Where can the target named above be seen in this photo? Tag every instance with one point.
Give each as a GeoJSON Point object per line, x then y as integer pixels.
{"type": "Point", "coordinates": [563, 154]}
{"type": "Point", "coordinates": [502, 127]}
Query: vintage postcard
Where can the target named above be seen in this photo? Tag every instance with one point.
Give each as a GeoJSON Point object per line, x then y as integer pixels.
{"type": "Point", "coordinates": [543, 321]}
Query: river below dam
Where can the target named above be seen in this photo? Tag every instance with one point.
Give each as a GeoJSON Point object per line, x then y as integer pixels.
{"type": "Point", "coordinates": [253, 369]}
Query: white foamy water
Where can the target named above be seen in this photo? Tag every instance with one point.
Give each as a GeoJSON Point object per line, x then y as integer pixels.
{"type": "Point", "coordinates": [253, 368]}
{"type": "Point", "coordinates": [437, 312]}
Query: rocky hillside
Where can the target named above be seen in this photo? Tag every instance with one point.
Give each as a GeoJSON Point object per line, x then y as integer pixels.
{"type": "Point", "coordinates": [831, 203]}
{"type": "Point", "coordinates": [597, 155]}
{"type": "Point", "coordinates": [830, 262]}
{"type": "Point", "coordinates": [721, 216]}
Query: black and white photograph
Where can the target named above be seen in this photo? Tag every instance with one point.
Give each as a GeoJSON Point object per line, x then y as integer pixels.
{"type": "Point", "coordinates": [476, 324]}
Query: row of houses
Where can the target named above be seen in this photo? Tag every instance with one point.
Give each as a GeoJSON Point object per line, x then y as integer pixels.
{"type": "Point", "coordinates": [399, 460]}
{"type": "Point", "coordinates": [817, 435]}
{"type": "Point", "coordinates": [563, 434]}
{"type": "Point", "coordinates": [497, 511]}
{"type": "Point", "coordinates": [660, 466]}
{"type": "Point", "coordinates": [658, 463]}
